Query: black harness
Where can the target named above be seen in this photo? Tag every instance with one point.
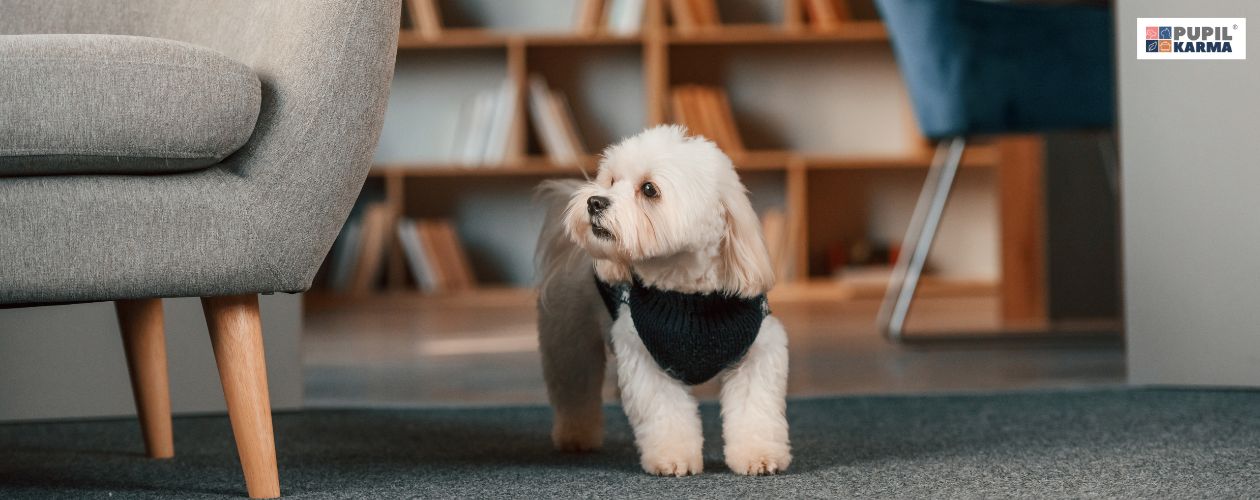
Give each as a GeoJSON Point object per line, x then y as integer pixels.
{"type": "Point", "coordinates": [692, 336]}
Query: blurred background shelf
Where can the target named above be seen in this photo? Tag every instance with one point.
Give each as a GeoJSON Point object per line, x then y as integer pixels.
{"type": "Point", "coordinates": [814, 115]}
{"type": "Point", "coordinates": [486, 38]}
{"type": "Point", "coordinates": [853, 31]}
{"type": "Point", "coordinates": [980, 156]}
{"type": "Point", "coordinates": [810, 291]}
{"type": "Point", "coordinates": [857, 31]}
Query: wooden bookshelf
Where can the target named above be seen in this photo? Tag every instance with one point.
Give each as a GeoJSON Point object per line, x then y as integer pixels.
{"type": "Point", "coordinates": [663, 57]}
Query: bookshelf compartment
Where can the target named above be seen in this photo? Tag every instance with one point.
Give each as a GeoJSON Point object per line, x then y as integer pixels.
{"type": "Point", "coordinates": [829, 138]}
{"type": "Point", "coordinates": [604, 86]}
{"type": "Point", "coordinates": [533, 16]}
{"type": "Point", "coordinates": [427, 99]}
{"type": "Point", "coordinates": [751, 12]}
{"type": "Point", "coordinates": [779, 107]}
{"type": "Point", "coordinates": [697, 16]}
{"type": "Point", "coordinates": [494, 217]}
{"type": "Point", "coordinates": [873, 206]}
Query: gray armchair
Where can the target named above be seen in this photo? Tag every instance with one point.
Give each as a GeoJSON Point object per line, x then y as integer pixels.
{"type": "Point", "coordinates": [213, 153]}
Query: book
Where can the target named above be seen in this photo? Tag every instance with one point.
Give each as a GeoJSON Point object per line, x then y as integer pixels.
{"type": "Point", "coordinates": [418, 260]}
{"type": "Point", "coordinates": [484, 132]}
{"type": "Point", "coordinates": [499, 133]}
{"type": "Point", "coordinates": [827, 14]}
{"type": "Point", "coordinates": [792, 14]}
{"type": "Point", "coordinates": [589, 12]}
{"type": "Point", "coordinates": [710, 117]}
{"type": "Point", "coordinates": [705, 13]}
{"type": "Point", "coordinates": [377, 219]}
{"type": "Point", "coordinates": [425, 17]}
{"type": "Point", "coordinates": [478, 127]}
{"type": "Point", "coordinates": [568, 125]}
{"type": "Point", "coordinates": [554, 124]}
{"type": "Point", "coordinates": [452, 256]}
{"type": "Point", "coordinates": [720, 103]}
{"type": "Point", "coordinates": [425, 232]}
{"type": "Point", "coordinates": [624, 17]}
{"type": "Point", "coordinates": [706, 112]}
{"type": "Point", "coordinates": [436, 257]}
{"type": "Point", "coordinates": [344, 254]}
{"type": "Point", "coordinates": [679, 110]}
{"type": "Point", "coordinates": [683, 16]}
{"type": "Point", "coordinates": [844, 11]}
{"type": "Point", "coordinates": [550, 137]}
{"type": "Point", "coordinates": [347, 250]}
{"type": "Point", "coordinates": [460, 139]}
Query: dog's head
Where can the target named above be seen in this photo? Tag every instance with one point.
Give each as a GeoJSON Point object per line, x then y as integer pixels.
{"type": "Point", "coordinates": [661, 193]}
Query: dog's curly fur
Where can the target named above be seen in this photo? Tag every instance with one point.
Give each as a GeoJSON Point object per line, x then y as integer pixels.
{"type": "Point", "coordinates": [698, 234]}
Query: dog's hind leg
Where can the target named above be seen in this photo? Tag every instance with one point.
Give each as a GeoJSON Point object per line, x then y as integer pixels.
{"type": "Point", "coordinates": [572, 345]}
{"type": "Point", "coordinates": [754, 393]}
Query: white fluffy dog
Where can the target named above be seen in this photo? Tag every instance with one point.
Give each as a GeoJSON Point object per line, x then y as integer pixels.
{"type": "Point", "coordinates": [666, 218]}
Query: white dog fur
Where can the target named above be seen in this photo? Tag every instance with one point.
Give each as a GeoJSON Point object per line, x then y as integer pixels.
{"type": "Point", "coordinates": [700, 234]}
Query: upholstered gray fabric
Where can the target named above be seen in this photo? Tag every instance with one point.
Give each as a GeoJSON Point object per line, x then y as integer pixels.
{"type": "Point", "coordinates": [261, 220]}
{"type": "Point", "coordinates": [119, 104]}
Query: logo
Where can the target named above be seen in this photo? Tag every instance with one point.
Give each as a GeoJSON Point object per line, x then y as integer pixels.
{"type": "Point", "coordinates": [1192, 38]}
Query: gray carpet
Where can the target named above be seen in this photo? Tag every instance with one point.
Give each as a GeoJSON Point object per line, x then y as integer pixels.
{"type": "Point", "coordinates": [1112, 443]}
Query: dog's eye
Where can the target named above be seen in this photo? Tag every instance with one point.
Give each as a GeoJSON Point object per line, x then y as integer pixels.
{"type": "Point", "coordinates": [649, 190]}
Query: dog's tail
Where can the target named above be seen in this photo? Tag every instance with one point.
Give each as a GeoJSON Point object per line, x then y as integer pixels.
{"type": "Point", "coordinates": [556, 253]}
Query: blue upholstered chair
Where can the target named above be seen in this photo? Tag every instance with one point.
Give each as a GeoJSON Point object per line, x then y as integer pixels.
{"type": "Point", "coordinates": [979, 68]}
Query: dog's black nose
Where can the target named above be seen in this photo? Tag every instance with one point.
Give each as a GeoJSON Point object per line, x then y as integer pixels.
{"type": "Point", "coordinates": [597, 204]}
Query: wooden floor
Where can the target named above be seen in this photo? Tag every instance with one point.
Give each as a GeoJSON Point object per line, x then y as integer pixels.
{"type": "Point", "coordinates": [482, 349]}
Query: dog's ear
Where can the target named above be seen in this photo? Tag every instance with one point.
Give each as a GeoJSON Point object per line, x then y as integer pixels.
{"type": "Point", "coordinates": [612, 272]}
{"type": "Point", "coordinates": [745, 262]}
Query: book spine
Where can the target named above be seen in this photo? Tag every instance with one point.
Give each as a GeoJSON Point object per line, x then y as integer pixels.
{"type": "Point", "coordinates": [541, 115]}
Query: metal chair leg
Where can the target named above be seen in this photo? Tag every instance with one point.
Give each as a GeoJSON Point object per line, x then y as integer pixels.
{"type": "Point", "coordinates": [919, 237]}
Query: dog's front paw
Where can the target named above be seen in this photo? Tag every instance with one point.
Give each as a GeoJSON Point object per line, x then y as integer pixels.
{"type": "Point", "coordinates": [758, 460]}
{"type": "Point", "coordinates": [676, 465]}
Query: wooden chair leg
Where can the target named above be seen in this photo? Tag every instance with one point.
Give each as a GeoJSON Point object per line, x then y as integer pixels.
{"type": "Point", "coordinates": [144, 340]}
{"type": "Point", "coordinates": [236, 333]}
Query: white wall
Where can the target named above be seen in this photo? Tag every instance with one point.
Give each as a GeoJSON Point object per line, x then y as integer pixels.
{"type": "Point", "coordinates": [68, 362]}
{"type": "Point", "coordinates": [1191, 211]}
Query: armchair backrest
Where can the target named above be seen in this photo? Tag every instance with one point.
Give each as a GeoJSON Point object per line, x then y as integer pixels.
{"type": "Point", "coordinates": [325, 67]}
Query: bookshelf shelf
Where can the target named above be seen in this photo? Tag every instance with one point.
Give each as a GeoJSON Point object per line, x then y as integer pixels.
{"type": "Point", "coordinates": [978, 156]}
{"type": "Point", "coordinates": [579, 40]}
{"type": "Point", "coordinates": [813, 290]}
{"type": "Point", "coordinates": [853, 31]}
{"type": "Point", "coordinates": [483, 38]}
{"type": "Point", "coordinates": [454, 38]}
{"type": "Point", "coordinates": [532, 167]}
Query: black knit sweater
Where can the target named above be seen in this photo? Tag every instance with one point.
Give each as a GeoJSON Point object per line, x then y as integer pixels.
{"type": "Point", "coordinates": [692, 336]}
